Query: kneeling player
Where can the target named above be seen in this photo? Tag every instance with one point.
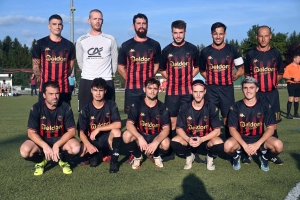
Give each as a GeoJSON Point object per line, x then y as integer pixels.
{"type": "Point", "coordinates": [198, 127]}
{"type": "Point", "coordinates": [51, 131]}
{"type": "Point", "coordinates": [246, 124]}
{"type": "Point", "coordinates": [99, 126]}
{"type": "Point", "coordinates": [148, 126]}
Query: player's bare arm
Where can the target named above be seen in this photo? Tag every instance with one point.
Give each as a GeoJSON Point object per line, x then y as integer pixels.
{"type": "Point", "coordinates": [32, 134]}
{"type": "Point", "coordinates": [66, 137]}
{"type": "Point", "coordinates": [195, 71]}
{"type": "Point", "coordinates": [109, 127]}
{"type": "Point", "coordinates": [164, 74]}
{"type": "Point", "coordinates": [182, 134]}
{"type": "Point", "coordinates": [132, 129]}
{"type": "Point", "coordinates": [71, 67]}
{"type": "Point", "coordinates": [279, 77]}
{"type": "Point", "coordinates": [36, 67]}
{"type": "Point", "coordinates": [240, 72]}
{"type": "Point", "coordinates": [203, 74]}
{"type": "Point", "coordinates": [236, 135]}
{"type": "Point", "coordinates": [158, 139]}
{"type": "Point", "coordinates": [267, 134]}
{"type": "Point", "coordinates": [156, 67]}
{"type": "Point", "coordinates": [89, 147]}
{"type": "Point", "coordinates": [122, 71]}
{"type": "Point", "coordinates": [215, 133]}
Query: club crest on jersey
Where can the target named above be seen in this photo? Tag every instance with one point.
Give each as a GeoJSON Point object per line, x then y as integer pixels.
{"type": "Point", "coordinates": [205, 118]}
{"type": "Point", "coordinates": [187, 55]}
{"type": "Point", "coordinates": [170, 55]}
{"type": "Point", "coordinates": [150, 51]}
{"type": "Point", "coordinates": [227, 58]}
{"type": "Point", "coordinates": [189, 118]}
{"type": "Point", "coordinates": [255, 60]}
{"type": "Point", "coordinates": [167, 109]}
{"type": "Point", "coordinates": [217, 109]}
{"type": "Point", "coordinates": [273, 60]}
{"type": "Point", "coordinates": [131, 50]}
{"type": "Point", "coordinates": [209, 57]}
{"type": "Point", "coordinates": [107, 114]}
{"type": "Point", "coordinates": [157, 117]}
{"type": "Point", "coordinates": [43, 117]}
{"type": "Point", "coordinates": [66, 50]}
{"type": "Point", "coordinates": [59, 118]}
{"type": "Point", "coordinates": [47, 49]}
{"type": "Point", "coordinates": [92, 117]}
{"type": "Point", "coordinates": [259, 115]}
{"type": "Point", "coordinates": [242, 115]}
{"type": "Point", "coordinates": [132, 105]}
{"type": "Point", "coordinates": [142, 114]}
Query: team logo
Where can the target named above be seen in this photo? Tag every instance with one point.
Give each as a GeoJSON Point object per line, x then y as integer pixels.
{"type": "Point", "coordinates": [142, 114]}
{"type": "Point", "coordinates": [131, 50]}
{"type": "Point", "coordinates": [150, 51]}
{"type": "Point", "coordinates": [209, 57]}
{"type": "Point", "coordinates": [107, 115]}
{"type": "Point", "coordinates": [231, 108]}
{"type": "Point", "coordinates": [259, 115]}
{"type": "Point", "coordinates": [242, 115]}
{"type": "Point", "coordinates": [47, 49]}
{"type": "Point", "coordinates": [94, 52]}
{"type": "Point", "coordinates": [59, 118]}
{"type": "Point", "coordinates": [167, 109]}
{"type": "Point", "coordinates": [132, 105]}
{"type": "Point", "coordinates": [170, 55]}
{"type": "Point", "coordinates": [270, 106]}
{"type": "Point", "coordinates": [66, 50]}
{"type": "Point", "coordinates": [157, 117]}
{"type": "Point", "coordinates": [205, 118]}
{"type": "Point", "coordinates": [187, 55]}
{"type": "Point", "coordinates": [189, 118]}
{"type": "Point", "coordinates": [92, 117]}
{"type": "Point", "coordinates": [217, 109]}
{"type": "Point", "coordinates": [227, 58]}
{"type": "Point", "coordinates": [273, 60]}
{"type": "Point", "coordinates": [43, 117]}
{"type": "Point", "coordinates": [255, 60]}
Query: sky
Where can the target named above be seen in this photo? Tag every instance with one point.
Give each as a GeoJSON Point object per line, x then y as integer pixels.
{"type": "Point", "coordinates": [27, 20]}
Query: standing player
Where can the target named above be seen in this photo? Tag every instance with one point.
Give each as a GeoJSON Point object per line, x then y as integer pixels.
{"type": "Point", "coordinates": [198, 127]}
{"type": "Point", "coordinates": [148, 125]}
{"type": "Point", "coordinates": [217, 63]}
{"type": "Point", "coordinates": [179, 66]}
{"type": "Point", "coordinates": [265, 64]}
{"type": "Point", "coordinates": [97, 56]}
{"type": "Point", "coordinates": [138, 60]}
{"type": "Point", "coordinates": [99, 126]}
{"type": "Point", "coordinates": [246, 122]}
{"type": "Point", "coordinates": [51, 132]}
{"type": "Point", "coordinates": [53, 59]}
{"type": "Point", "coordinates": [292, 76]}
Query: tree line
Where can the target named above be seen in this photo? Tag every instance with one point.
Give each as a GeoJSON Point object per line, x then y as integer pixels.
{"type": "Point", "coordinates": [14, 55]}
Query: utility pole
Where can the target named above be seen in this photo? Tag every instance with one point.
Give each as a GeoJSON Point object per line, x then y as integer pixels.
{"type": "Point", "coordinates": [72, 10]}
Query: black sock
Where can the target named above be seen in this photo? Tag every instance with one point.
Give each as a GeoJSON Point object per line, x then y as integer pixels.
{"type": "Point", "coordinates": [133, 148]}
{"type": "Point", "coordinates": [180, 149]}
{"type": "Point", "coordinates": [66, 157]}
{"type": "Point", "coordinates": [288, 107]}
{"type": "Point", "coordinates": [296, 106]}
{"type": "Point", "coordinates": [116, 146]}
{"type": "Point", "coordinates": [236, 153]}
{"type": "Point", "coordinates": [215, 150]}
{"type": "Point", "coordinates": [37, 158]}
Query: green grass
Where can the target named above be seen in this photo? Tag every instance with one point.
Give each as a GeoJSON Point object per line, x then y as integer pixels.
{"type": "Point", "coordinates": [171, 182]}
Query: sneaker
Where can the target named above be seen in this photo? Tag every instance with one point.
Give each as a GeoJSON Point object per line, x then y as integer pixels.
{"type": "Point", "coordinates": [276, 160]}
{"type": "Point", "coordinates": [114, 167]}
{"type": "Point", "coordinates": [247, 160]}
{"type": "Point", "coordinates": [168, 157]}
{"type": "Point", "coordinates": [106, 158]}
{"type": "Point", "coordinates": [65, 167]}
{"type": "Point", "coordinates": [85, 161]}
{"type": "Point", "coordinates": [39, 168]}
{"type": "Point", "coordinates": [94, 161]}
{"type": "Point", "coordinates": [289, 116]}
{"type": "Point", "coordinates": [158, 161]}
{"type": "Point", "coordinates": [236, 162]}
{"type": "Point", "coordinates": [264, 163]}
{"type": "Point", "coordinates": [151, 157]}
{"type": "Point", "coordinates": [136, 162]}
{"type": "Point", "coordinates": [210, 163]}
{"type": "Point", "coordinates": [189, 161]}
{"type": "Point", "coordinates": [297, 115]}
{"type": "Point", "coordinates": [130, 159]}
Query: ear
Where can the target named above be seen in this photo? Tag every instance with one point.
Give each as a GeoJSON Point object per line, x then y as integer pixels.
{"type": "Point", "coordinates": [144, 89]}
{"type": "Point", "coordinates": [257, 88]}
{"type": "Point", "coordinates": [270, 36]}
{"type": "Point", "coordinates": [44, 95]}
{"type": "Point", "coordinates": [89, 21]}
{"type": "Point", "coordinates": [49, 26]}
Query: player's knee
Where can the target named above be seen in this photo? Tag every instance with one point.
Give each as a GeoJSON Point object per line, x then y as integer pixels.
{"type": "Point", "coordinates": [216, 140]}
{"type": "Point", "coordinates": [165, 144]}
{"type": "Point", "coordinates": [127, 136]}
{"type": "Point", "coordinates": [116, 132]}
{"type": "Point", "coordinates": [228, 147]}
{"type": "Point", "coordinates": [25, 151]}
{"type": "Point", "coordinates": [75, 149]}
{"type": "Point", "coordinates": [278, 146]}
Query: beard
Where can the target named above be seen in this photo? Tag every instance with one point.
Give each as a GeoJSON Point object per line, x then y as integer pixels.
{"type": "Point", "coordinates": [152, 98]}
{"type": "Point", "coordinates": [141, 34]}
{"type": "Point", "coordinates": [179, 43]}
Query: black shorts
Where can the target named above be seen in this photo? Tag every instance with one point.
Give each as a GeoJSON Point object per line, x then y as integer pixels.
{"type": "Point", "coordinates": [101, 141]}
{"type": "Point", "coordinates": [221, 96]}
{"type": "Point", "coordinates": [273, 99]}
{"type": "Point", "coordinates": [251, 139]}
{"type": "Point", "coordinates": [49, 141]}
{"type": "Point", "coordinates": [293, 89]}
{"type": "Point", "coordinates": [132, 96]}
{"type": "Point", "coordinates": [203, 147]}
{"type": "Point", "coordinates": [173, 103]}
{"type": "Point", "coordinates": [85, 95]}
{"type": "Point", "coordinates": [66, 97]}
{"type": "Point", "coordinates": [149, 138]}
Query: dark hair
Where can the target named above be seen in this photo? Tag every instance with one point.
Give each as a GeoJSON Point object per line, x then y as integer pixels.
{"type": "Point", "coordinates": [49, 84]}
{"type": "Point", "coordinates": [55, 16]}
{"type": "Point", "coordinates": [178, 24]}
{"type": "Point", "coordinates": [263, 26]}
{"type": "Point", "coordinates": [99, 83]}
{"type": "Point", "coordinates": [250, 80]}
{"type": "Point", "coordinates": [198, 82]}
{"type": "Point", "coordinates": [95, 10]}
{"type": "Point", "coordinates": [152, 81]}
{"type": "Point", "coordinates": [217, 25]}
{"type": "Point", "coordinates": [140, 15]}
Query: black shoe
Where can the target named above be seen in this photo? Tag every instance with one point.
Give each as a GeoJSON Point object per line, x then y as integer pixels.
{"type": "Point", "coordinates": [289, 116]}
{"type": "Point", "coordinates": [94, 161]}
{"type": "Point", "coordinates": [247, 160]}
{"type": "Point", "coordinates": [276, 160]}
{"type": "Point", "coordinates": [114, 167]}
{"type": "Point", "coordinates": [168, 158]}
{"type": "Point", "coordinates": [297, 115]}
{"type": "Point", "coordinates": [198, 159]}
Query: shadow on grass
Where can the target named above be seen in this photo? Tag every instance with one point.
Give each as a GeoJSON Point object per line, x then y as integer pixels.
{"type": "Point", "coordinates": [296, 156]}
{"type": "Point", "coordinates": [193, 188]}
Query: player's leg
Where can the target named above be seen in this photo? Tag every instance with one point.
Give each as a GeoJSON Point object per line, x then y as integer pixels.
{"type": "Point", "coordinates": [215, 146]}
{"type": "Point", "coordinates": [270, 150]}
{"type": "Point", "coordinates": [69, 151]}
{"type": "Point", "coordinates": [110, 90]}
{"type": "Point", "coordinates": [296, 101]}
{"type": "Point", "coordinates": [115, 142]}
{"type": "Point", "coordinates": [131, 144]}
{"type": "Point", "coordinates": [131, 97]}
{"type": "Point", "coordinates": [162, 149]}
{"type": "Point", "coordinates": [84, 93]}
{"type": "Point", "coordinates": [291, 92]}
{"type": "Point", "coordinates": [233, 149]}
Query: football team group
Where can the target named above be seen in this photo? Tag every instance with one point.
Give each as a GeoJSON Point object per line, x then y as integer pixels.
{"type": "Point", "coordinates": [185, 123]}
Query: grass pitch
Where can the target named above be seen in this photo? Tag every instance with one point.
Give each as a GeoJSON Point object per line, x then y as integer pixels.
{"type": "Point", "coordinates": [171, 182]}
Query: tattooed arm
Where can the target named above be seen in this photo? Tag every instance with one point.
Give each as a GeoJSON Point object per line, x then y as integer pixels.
{"type": "Point", "coordinates": [36, 67]}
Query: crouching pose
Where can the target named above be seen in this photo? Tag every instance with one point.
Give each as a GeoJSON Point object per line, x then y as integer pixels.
{"type": "Point", "coordinates": [148, 126]}
{"type": "Point", "coordinates": [246, 122]}
{"type": "Point", "coordinates": [198, 127]}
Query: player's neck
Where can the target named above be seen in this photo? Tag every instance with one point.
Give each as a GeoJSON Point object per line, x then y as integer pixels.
{"type": "Point", "coordinates": [98, 104]}
{"type": "Point", "coordinates": [197, 106]}
{"type": "Point", "coordinates": [250, 102]}
{"type": "Point", "coordinates": [55, 38]}
{"type": "Point", "coordinates": [49, 106]}
{"type": "Point", "coordinates": [149, 102]}
{"type": "Point", "coordinates": [218, 46]}
{"type": "Point", "coordinates": [266, 48]}
{"type": "Point", "coordinates": [178, 45]}
{"type": "Point", "coordinates": [95, 33]}
{"type": "Point", "coordinates": [138, 39]}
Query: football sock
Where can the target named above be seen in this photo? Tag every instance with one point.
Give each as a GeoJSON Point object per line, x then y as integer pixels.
{"type": "Point", "coordinates": [289, 106]}
{"type": "Point", "coordinates": [296, 106]}
{"type": "Point", "coordinates": [215, 149]}
{"type": "Point", "coordinates": [180, 149]}
{"type": "Point", "coordinates": [116, 146]}
{"type": "Point", "coordinates": [35, 158]}
{"type": "Point", "coordinates": [133, 148]}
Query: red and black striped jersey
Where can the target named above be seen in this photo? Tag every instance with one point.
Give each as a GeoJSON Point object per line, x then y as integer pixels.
{"type": "Point", "coordinates": [250, 121]}
{"type": "Point", "coordinates": [149, 120]}
{"type": "Point", "coordinates": [55, 61]}
{"type": "Point", "coordinates": [91, 118]}
{"type": "Point", "coordinates": [264, 66]}
{"type": "Point", "coordinates": [198, 122]}
{"type": "Point", "coordinates": [51, 123]}
{"type": "Point", "coordinates": [219, 64]}
{"type": "Point", "coordinates": [139, 59]}
{"type": "Point", "coordinates": [178, 62]}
